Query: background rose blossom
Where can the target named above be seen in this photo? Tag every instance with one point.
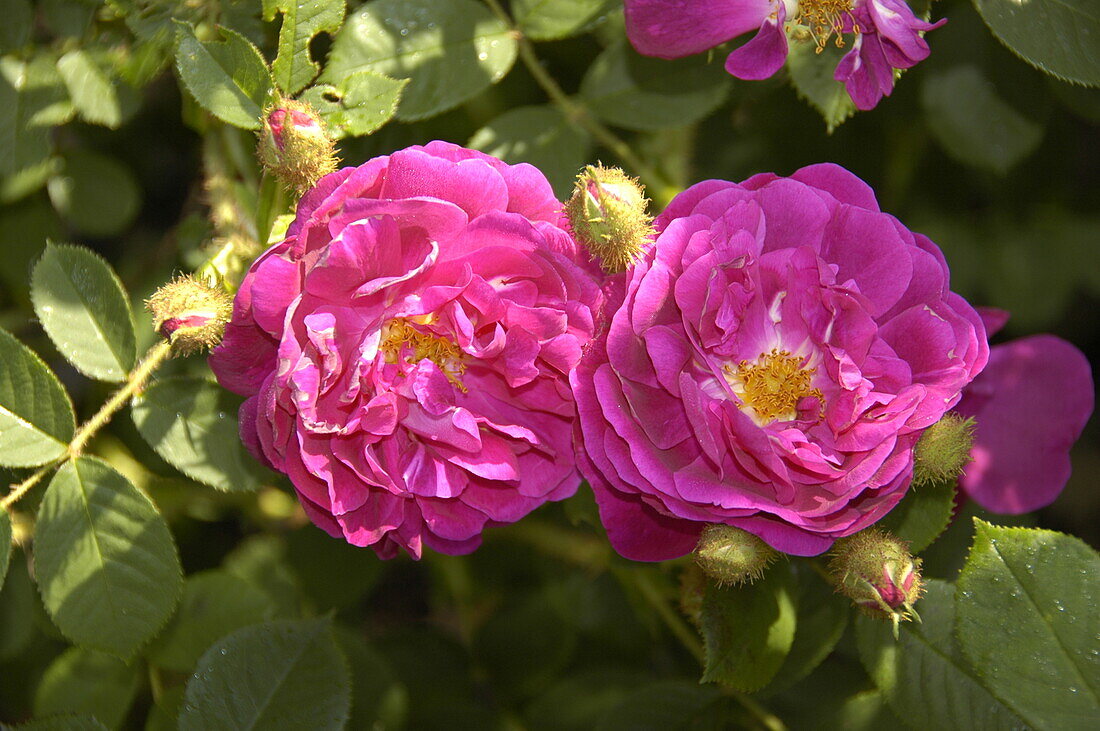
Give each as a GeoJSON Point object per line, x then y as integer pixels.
{"type": "Point", "coordinates": [801, 280]}
{"type": "Point", "coordinates": [404, 351]}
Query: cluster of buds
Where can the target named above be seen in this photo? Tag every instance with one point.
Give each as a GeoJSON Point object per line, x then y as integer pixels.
{"type": "Point", "coordinates": [730, 555]}
{"type": "Point", "coordinates": [607, 213]}
{"type": "Point", "coordinates": [943, 451]}
{"type": "Point", "coordinates": [294, 146]}
{"type": "Point", "coordinates": [189, 314]}
{"type": "Point", "coordinates": [875, 570]}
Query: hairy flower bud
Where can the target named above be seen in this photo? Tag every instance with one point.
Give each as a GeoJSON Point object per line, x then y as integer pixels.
{"type": "Point", "coordinates": [189, 314]}
{"type": "Point", "coordinates": [943, 450]}
{"type": "Point", "coordinates": [607, 213]}
{"type": "Point", "coordinates": [730, 555]}
{"type": "Point", "coordinates": [875, 570]}
{"type": "Point", "coordinates": [294, 145]}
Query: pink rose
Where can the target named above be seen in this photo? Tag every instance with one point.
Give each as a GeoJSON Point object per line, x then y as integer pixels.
{"type": "Point", "coordinates": [405, 351]}
{"type": "Point", "coordinates": [770, 365]}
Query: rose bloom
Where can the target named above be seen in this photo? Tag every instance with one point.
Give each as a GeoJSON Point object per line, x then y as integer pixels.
{"type": "Point", "coordinates": [883, 35]}
{"type": "Point", "coordinates": [405, 350]}
{"type": "Point", "coordinates": [770, 365]}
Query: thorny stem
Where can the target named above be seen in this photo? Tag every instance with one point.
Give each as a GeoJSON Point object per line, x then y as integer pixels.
{"type": "Point", "coordinates": [134, 384]}
{"type": "Point", "coordinates": [577, 114]}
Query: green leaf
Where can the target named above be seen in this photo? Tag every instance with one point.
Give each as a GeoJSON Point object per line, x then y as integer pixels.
{"type": "Point", "coordinates": [282, 674]}
{"type": "Point", "coordinates": [293, 68]}
{"type": "Point", "coordinates": [748, 630]}
{"type": "Point", "coordinates": [363, 102]}
{"type": "Point", "coordinates": [18, 604]}
{"type": "Point", "coordinates": [539, 135]}
{"type": "Point", "coordinates": [96, 193]}
{"type": "Point", "coordinates": [635, 92]}
{"type": "Point", "coordinates": [24, 230]}
{"type": "Point", "coordinates": [922, 515]}
{"type": "Point", "coordinates": [164, 715]}
{"type": "Point", "coordinates": [36, 416]}
{"type": "Point", "coordinates": [1060, 37]}
{"type": "Point", "coordinates": [822, 616]}
{"type": "Point", "coordinates": [85, 311]}
{"type": "Point", "coordinates": [378, 700]}
{"type": "Point", "coordinates": [107, 566]}
{"type": "Point", "coordinates": [192, 424]}
{"type": "Point", "coordinates": [973, 124]}
{"type": "Point", "coordinates": [669, 704]}
{"type": "Point", "coordinates": [549, 20]}
{"type": "Point", "coordinates": [85, 681]}
{"type": "Point", "coordinates": [214, 604]}
{"type": "Point", "coordinates": [923, 674]}
{"type": "Point", "coordinates": [811, 75]}
{"type": "Point", "coordinates": [16, 28]}
{"type": "Point", "coordinates": [5, 544]}
{"type": "Point", "coordinates": [32, 96]}
{"type": "Point", "coordinates": [227, 78]}
{"type": "Point", "coordinates": [1026, 617]}
{"type": "Point", "coordinates": [261, 561]}
{"type": "Point", "coordinates": [67, 722]}
{"type": "Point", "coordinates": [576, 702]}
{"type": "Point", "coordinates": [90, 88]}
{"type": "Point", "coordinates": [448, 49]}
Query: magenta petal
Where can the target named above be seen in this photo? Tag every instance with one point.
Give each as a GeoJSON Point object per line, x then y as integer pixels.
{"type": "Point", "coordinates": [640, 533]}
{"type": "Point", "coordinates": [676, 28]}
{"type": "Point", "coordinates": [1031, 403]}
{"type": "Point", "coordinates": [762, 56]}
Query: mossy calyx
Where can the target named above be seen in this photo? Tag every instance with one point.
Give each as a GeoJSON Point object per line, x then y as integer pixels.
{"type": "Point", "coordinates": [294, 145]}
{"type": "Point", "coordinates": [876, 571]}
{"type": "Point", "coordinates": [943, 451]}
{"type": "Point", "coordinates": [189, 314]}
{"type": "Point", "coordinates": [730, 555]}
{"type": "Point", "coordinates": [607, 213]}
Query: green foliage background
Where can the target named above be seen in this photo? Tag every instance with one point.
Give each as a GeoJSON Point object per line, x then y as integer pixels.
{"type": "Point", "coordinates": [210, 602]}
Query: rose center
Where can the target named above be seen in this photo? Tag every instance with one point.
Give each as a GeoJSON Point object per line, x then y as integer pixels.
{"type": "Point", "coordinates": [820, 20]}
{"type": "Point", "coordinates": [402, 341]}
{"type": "Point", "coordinates": [771, 388]}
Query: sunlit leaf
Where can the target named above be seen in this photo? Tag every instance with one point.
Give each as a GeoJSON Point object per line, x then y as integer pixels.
{"type": "Point", "coordinates": [107, 566]}
{"type": "Point", "coordinates": [228, 78]}
{"type": "Point", "coordinates": [1026, 617]}
{"type": "Point", "coordinates": [923, 674]}
{"type": "Point", "coordinates": [448, 49]}
{"type": "Point", "coordinates": [84, 310]}
{"type": "Point", "coordinates": [192, 424]}
{"type": "Point", "coordinates": [363, 102]}
{"type": "Point", "coordinates": [549, 20]}
{"type": "Point", "coordinates": [293, 68]}
{"type": "Point", "coordinates": [90, 88]}
{"type": "Point", "coordinates": [36, 416]}
{"type": "Point", "coordinates": [812, 77]}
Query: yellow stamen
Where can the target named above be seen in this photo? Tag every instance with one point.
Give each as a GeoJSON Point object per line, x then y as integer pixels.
{"type": "Point", "coordinates": [771, 388]}
{"type": "Point", "coordinates": [399, 337]}
{"type": "Point", "coordinates": [824, 18]}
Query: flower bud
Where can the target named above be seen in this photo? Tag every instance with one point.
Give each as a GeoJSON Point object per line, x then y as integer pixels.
{"type": "Point", "coordinates": [730, 555]}
{"type": "Point", "coordinates": [607, 213]}
{"type": "Point", "coordinates": [943, 450]}
{"type": "Point", "coordinates": [874, 569]}
{"type": "Point", "coordinates": [294, 146]}
{"type": "Point", "coordinates": [189, 314]}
